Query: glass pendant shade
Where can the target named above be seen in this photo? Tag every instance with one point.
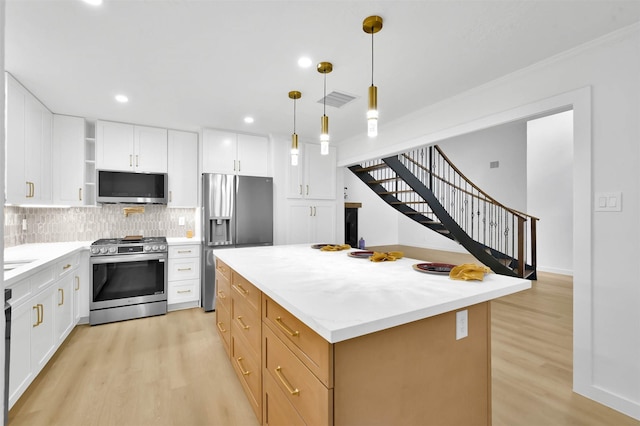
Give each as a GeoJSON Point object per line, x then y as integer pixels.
{"type": "Point", "coordinates": [324, 135]}
{"type": "Point", "coordinates": [372, 113]}
{"type": "Point", "coordinates": [294, 149]}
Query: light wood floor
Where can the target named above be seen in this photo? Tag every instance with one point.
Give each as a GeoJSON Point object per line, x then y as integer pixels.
{"type": "Point", "coordinates": [172, 370]}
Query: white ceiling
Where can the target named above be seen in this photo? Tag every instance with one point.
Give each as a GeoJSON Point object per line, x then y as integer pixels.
{"type": "Point", "coordinates": [189, 64]}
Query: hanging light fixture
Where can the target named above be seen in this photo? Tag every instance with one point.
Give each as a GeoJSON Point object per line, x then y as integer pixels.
{"type": "Point", "coordinates": [372, 25]}
{"type": "Point", "coordinates": [324, 68]}
{"type": "Point", "coordinates": [294, 94]}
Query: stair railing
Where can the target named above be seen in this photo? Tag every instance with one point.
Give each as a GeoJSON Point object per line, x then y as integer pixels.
{"type": "Point", "coordinates": [507, 233]}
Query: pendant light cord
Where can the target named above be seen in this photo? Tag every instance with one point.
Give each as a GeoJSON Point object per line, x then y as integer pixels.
{"type": "Point", "coordinates": [324, 100]}
{"type": "Point", "coordinates": [372, 56]}
{"type": "Point", "coordinates": [294, 115]}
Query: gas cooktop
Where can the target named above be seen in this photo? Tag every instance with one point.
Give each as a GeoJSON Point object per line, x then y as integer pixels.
{"type": "Point", "coordinates": [129, 245]}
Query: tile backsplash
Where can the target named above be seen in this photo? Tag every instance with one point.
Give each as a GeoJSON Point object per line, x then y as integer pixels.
{"type": "Point", "coordinates": [48, 225]}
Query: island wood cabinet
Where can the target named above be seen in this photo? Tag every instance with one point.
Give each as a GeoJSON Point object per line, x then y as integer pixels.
{"type": "Point", "coordinates": [128, 147]}
{"type": "Point", "coordinates": [29, 127]}
{"type": "Point", "coordinates": [234, 153]}
{"type": "Point", "coordinates": [223, 303]}
{"type": "Point", "coordinates": [42, 318]}
{"type": "Point", "coordinates": [416, 373]}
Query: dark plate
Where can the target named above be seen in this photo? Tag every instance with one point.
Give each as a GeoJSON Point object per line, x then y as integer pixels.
{"type": "Point", "coordinates": [319, 246]}
{"type": "Point", "coordinates": [360, 254]}
{"type": "Point", "coordinates": [434, 268]}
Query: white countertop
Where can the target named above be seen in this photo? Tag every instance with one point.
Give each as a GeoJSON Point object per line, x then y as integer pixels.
{"type": "Point", "coordinates": [38, 255]}
{"type": "Point", "coordinates": [183, 240]}
{"type": "Point", "coordinates": [340, 297]}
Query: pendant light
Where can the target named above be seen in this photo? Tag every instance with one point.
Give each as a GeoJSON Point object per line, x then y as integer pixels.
{"type": "Point", "coordinates": [324, 68]}
{"type": "Point", "coordinates": [294, 94]}
{"type": "Point", "coordinates": [372, 25]}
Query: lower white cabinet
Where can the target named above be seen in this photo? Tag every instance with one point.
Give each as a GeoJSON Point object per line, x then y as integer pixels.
{"type": "Point", "coordinates": [183, 283]}
{"type": "Point", "coordinates": [311, 222]}
{"type": "Point", "coordinates": [43, 315]}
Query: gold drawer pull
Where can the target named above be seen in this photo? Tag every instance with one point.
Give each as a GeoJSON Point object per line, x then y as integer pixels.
{"type": "Point", "coordinates": [222, 295]}
{"type": "Point", "coordinates": [184, 251]}
{"type": "Point", "coordinates": [61, 291]}
{"type": "Point", "coordinates": [242, 370]}
{"type": "Point", "coordinates": [285, 382]}
{"type": "Point", "coordinates": [286, 329]}
{"type": "Point", "coordinates": [77, 283]}
{"type": "Point", "coordinates": [239, 286]}
{"type": "Point", "coordinates": [242, 324]}
{"type": "Point", "coordinates": [37, 316]}
{"type": "Point", "coordinates": [221, 328]}
{"type": "Point", "coordinates": [184, 269]}
{"type": "Point", "coordinates": [67, 266]}
{"type": "Point", "coordinates": [184, 291]}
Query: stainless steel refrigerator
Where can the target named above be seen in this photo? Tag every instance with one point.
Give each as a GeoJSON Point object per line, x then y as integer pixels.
{"type": "Point", "coordinates": [237, 212]}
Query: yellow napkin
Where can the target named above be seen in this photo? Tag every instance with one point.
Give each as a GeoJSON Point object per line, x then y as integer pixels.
{"type": "Point", "coordinates": [389, 256]}
{"type": "Point", "coordinates": [336, 247]}
{"type": "Point", "coordinates": [468, 271]}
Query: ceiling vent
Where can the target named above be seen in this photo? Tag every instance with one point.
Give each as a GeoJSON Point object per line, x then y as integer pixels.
{"type": "Point", "coordinates": [337, 99]}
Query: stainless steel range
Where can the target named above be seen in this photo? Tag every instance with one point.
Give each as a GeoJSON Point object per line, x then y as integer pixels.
{"type": "Point", "coordinates": [129, 278]}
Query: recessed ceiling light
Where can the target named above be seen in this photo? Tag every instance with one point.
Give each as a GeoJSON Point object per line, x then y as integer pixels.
{"type": "Point", "coordinates": [304, 62]}
{"type": "Point", "coordinates": [122, 99]}
{"type": "Point", "coordinates": [93, 2]}
{"type": "Point", "coordinates": [248, 120]}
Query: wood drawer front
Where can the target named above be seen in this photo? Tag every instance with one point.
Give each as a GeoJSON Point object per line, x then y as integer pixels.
{"type": "Point", "coordinates": [223, 269]}
{"type": "Point", "coordinates": [278, 411]}
{"type": "Point", "coordinates": [246, 323]}
{"type": "Point", "coordinates": [223, 292]}
{"type": "Point", "coordinates": [176, 252]}
{"type": "Point", "coordinates": [247, 367]}
{"type": "Point", "coordinates": [183, 269]}
{"type": "Point", "coordinates": [182, 291]}
{"type": "Point", "coordinates": [310, 347]}
{"type": "Point", "coordinates": [246, 290]}
{"type": "Point", "coordinates": [311, 399]}
{"type": "Point", "coordinates": [223, 323]}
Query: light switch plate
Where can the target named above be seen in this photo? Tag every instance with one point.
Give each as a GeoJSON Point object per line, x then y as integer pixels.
{"type": "Point", "coordinates": [608, 201]}
{"type": "Point", "coordinates": [462, 320]}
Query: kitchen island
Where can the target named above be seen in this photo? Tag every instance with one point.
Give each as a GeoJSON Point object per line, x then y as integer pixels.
{"type": "Point", "coordinates": [347, 341]}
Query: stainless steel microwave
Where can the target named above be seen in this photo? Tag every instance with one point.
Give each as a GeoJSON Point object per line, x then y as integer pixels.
{"type": "Point", "coordinates": [131, 187]}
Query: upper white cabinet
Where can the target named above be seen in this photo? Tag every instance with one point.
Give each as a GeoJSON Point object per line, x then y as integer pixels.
{"type": "Point", "coordinates": [127, 147]}
{"type": "Point", "coordinates": [183, 169]}
{"type": "Point", "coordinates": [315, 175]}
{"type": "Point", "coordinates": [28, 147]}
{"type": "Point", "coordinates": [68, 160]}
{"type": "Point", "coordinates": [234, 153]}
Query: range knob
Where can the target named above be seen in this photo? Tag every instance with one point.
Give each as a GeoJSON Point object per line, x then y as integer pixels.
{"type": "Point", "coordinates": [103, 250]}
{"type": "Point", "coordinates": [147, 248]}
{"type": "Point", "coordinates": [95, 250]}
{"type": "Point", "coordinates": [163, 247]}
{"type": "Point", "coordinates": [112, 249]}
{"type": "Point", "coordinates": [154, 248]}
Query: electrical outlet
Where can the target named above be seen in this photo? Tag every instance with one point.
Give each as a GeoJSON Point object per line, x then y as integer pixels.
{"type": "Point", "coordinates": [181, 221]}
{"type": "Point", "coordinates": [24, 224]}
{"type": "Point", "coordinates": [462, 319]}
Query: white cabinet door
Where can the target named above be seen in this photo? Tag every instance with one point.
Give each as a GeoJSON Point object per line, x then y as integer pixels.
{"type": "Point", "coordinates": [68, 160]}
{"type": "Point", "coordinates": [253, 155]}
{"type": "Point", "coordinates": [311, 223]}
{"type": "Point", "coordinates": [218, 152]}
{"type": "Point", "coordinates": [64, 308]}
{"type": "Point", "coordinates": [324, 223]}
{"type": "Point", "coordinates": [320, 173]}
{"type": "Point", "coordinates": [150, 149]}
{"type": "Point", "coordinates": [43, 342]}
{"type": "Point", "coordinates": [114, 146]}
{"type": "Point", "coordinates": [183, 169]}
{"type": "Point", "coordinates": [17, 187]}
{"type": "Point", "coordinates": [299, 224]}
{"type": "Point", "coordinates": [20, 374]}
{"type": "Point", "coordinates": [81, 289]}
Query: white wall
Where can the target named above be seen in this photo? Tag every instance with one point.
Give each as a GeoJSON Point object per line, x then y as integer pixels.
{"type": "Point", "coordinates": [550, 189]}
{"type": "Point", "coordinates": [601, 82]}
{"type": "Point", "coordinates": [2, 167]}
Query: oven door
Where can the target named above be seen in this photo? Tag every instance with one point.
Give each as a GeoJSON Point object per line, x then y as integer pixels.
{"type": "Point", "coordinates": [128, 280]}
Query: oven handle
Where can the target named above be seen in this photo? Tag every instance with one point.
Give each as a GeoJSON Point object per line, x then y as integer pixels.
{"type": "Point", "coordinates": [95, 260]}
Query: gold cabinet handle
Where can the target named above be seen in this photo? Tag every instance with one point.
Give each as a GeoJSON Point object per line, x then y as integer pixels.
{"type": "Point", "coordinates": [31, 189]}
{"type": "Point", "coordinates": [170, 196]}
{"type": "Point", "coordinates": [239, 287]}
{"type": "Point", "coordinates": [285, 382]}
{"type": "Point", "coordinates": [61, 292]}
{"type": "Point", "coordinates": [37, 316]}
{"type": "Point", "coordinates": [300, 189]}
{"type": "Point", "coordinates": [314, 210]}
{"type": "Point", "coordinates": [242, 370]}
{"type": "Point", "coordinates": [310, 211]}
{"type": "Point", "coordinates": [222, 295]}
{"type": "Point", "coordinates": [183, 269]}
{"type": "Point", "coordinates": [184, 251]}
{"type": "Point", "coordinates": [286, 328]}
{"type": "Point", "coordinates": [67, 266]}
{"type": "Point", "coordinates": [130, 160]}
{"type": "Point", "coordinates": [79, 194]}
{"type": "Point", "coordinates": [137, 161]}
{"type": "Point", "coordinates": [77, 283]}
{"type": "Point", "coordinates": [239, 168]}
{"type": "Point", "coordinates": [221, 327]}
{"type": "Point", "coordinates": [184, 291]}
{"type": "Point", "coordinates": [242, 324]}
{"type": "Point", "coordinates": [307, 190]}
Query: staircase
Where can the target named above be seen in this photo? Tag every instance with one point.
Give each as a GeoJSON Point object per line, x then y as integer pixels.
{"type": "Point", "coordinates": [425, 186]}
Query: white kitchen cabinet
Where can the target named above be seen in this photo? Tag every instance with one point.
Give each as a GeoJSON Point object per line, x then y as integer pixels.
{"type": "Point", "coordinates": [183, 168]}
{"type": "Point", "coordinates": [68, 160]}
{"type": "Point", "coordinates": [315, 175]}
{"type": "Point", "coordinates": [183, 282]}
{"type": "Point", "coordinates": [126, 147]}
{"type": "Point", "coordinates": [81, 290]}
{"type": "Point", "coordinates": [311, 223]}
{"type": "Point", "coordinates": [234, 153]}
{"type": "Point", "coordinates": [28, 147]}
{"type": "Point", "coordinates": [20, 372]}
{"type": "Point", "coordinates": [64, 314]}
{"type": "Point", "coordinates": [43, 341]}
